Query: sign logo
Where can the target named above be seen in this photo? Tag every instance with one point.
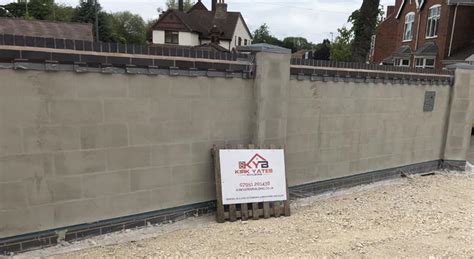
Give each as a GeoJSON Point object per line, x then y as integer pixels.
{"type": "Point", "coordinates": [257, 165]}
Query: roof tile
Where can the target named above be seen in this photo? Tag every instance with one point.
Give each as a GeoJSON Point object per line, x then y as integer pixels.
{"type": "Point", "coordinates": [47, 29]}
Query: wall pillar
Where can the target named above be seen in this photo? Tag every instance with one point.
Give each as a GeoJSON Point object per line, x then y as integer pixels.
{"type": "Point", "coordinates": [458, 136]}
{"type": "Point", "coordinates": [271, 94]}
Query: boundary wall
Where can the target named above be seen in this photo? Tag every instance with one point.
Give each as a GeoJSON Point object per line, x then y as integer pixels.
{"type": "Point", "coordinates": [93, 142]}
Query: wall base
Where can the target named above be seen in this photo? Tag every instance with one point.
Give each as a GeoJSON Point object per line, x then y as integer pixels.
{"type": "Point", "coordinates": [48, 238]}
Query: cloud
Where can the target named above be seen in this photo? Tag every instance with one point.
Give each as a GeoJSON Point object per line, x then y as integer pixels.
{"type": "Point", "coordinates": [312, 19]}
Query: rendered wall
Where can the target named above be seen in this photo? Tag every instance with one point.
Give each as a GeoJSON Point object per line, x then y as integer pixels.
{"type": "Point", "coordinates": [185, 38]}
{"type": "Point", "coordinates": [77, 148]}
{"type": "Point", "coordinates": [341, 129]}
{"type": "Point", "coordinates": [158, 37]}
{"type": "Point", "coordinates": [188, 39]}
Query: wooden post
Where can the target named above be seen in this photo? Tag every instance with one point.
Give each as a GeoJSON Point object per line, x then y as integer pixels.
{"type": "Point", "coordinates": [266, 210]}
{"type": "Point", "coordinates": [255, 214]}
{"type": "Point", "coordinates": [217, 171]}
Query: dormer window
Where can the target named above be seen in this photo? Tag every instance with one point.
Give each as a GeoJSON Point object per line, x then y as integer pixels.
{"type": "Point", "coordinates": [408, 29]}
{"type": "Point", "coordinates": [432, 24]}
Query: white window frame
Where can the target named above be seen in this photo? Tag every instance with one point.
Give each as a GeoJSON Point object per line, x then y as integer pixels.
{"type": "Point", "coordinates": [398, 62]}
{"type": "Point", "coordinates": [419, 4]}
{"type": "Point", "coordinates": [409, 22]}
{"type": "Point", "coordinates": [423, 65]}
{"type": "Point", "coordinates": [433, 20]}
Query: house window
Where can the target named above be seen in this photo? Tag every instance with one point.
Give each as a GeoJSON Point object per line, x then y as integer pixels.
{"type": "Point", "coordinates": [240, 41]}
{"type": "Point", "coordinates": [408, 29]}
{"type": "Point", "coordinates": [425, 63]}
{"type": "Point", "coordinates": [171, 37]}
{"type": "Point", "coordinates": [245, 42]}
{"type": "Point", "coordinates": [432, 25]}
{"type": "Point", "coordinates": [402, 62]}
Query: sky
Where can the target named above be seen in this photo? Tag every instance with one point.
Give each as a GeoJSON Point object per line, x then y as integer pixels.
{"type": "Point", "coordinates": [313, 19]}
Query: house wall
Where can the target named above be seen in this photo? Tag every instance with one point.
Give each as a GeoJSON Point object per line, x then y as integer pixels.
{"type": "Point", "coordinates": [185, 38]}
{"type": "Point", "coordinates": [240, 31]}
{"type": "Point", "coordinates": [158, 37]}
{"type": "Point", "coordinates": [188, 39]}
{"type": "Point", "coordinates": [390, 32]}
{"type": "Point", "coordinates": [464, 27]}
{"type": "Point", "coordinates": [386, 41]}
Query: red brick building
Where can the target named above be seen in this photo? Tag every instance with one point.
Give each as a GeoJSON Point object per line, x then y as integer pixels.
{"type": "Point", "coordinates": [425, 34]}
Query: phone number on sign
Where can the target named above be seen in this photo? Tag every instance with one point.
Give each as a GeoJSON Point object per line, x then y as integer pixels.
{"type": "Point", "coordinates": [255, 184]}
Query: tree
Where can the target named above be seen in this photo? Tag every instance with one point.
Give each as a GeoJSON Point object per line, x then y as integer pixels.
{"type": "Point", "coordinates": [15, 10]}
{"type": "Point", "coordinates": [62, 13]}
{"type": "Point", "coordinates": [128, 28]}
{"type": "Point", "coordinates": [364, 22]}
{"type": "Point", "coordinates": [41, 9]}
{"type": "Point", "coordinates": [173, 4]}
{"type": "Point", "coordinates": [85, 13]}
{"type": "Point", "coordinates": [296, 43]}
{"type": "Point", "coordinates": [263, 35]}
{"type": "Point", "coordinates": [149, 32]}
{"type": "Point", "coordinates": [4, 12]}
{"type": "Point", "coordinates": [341, 48]}
{"type": "Point", "coordinates": [322, 50]}
{"type": "Point", "coordinates": [38, 9]}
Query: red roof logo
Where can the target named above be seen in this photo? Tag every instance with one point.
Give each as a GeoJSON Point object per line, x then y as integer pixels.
{"type": "Point", "coordinates": [256, 162]}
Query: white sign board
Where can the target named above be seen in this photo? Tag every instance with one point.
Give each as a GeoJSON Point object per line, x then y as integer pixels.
{"type": "Point", "coordinates": [249, 176]}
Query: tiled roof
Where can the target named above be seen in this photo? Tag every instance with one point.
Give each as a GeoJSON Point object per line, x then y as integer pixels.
{"type": "Point", "coordinates": [47, 29]}
{"type": "Point", "coordinates": [403, 51]}
{"type": "Point", "coordinates": [199, 19]}
{"type": "Point", "coordinates": [428, 49]}
{"type": "Point", "coordinates": [388, 61]}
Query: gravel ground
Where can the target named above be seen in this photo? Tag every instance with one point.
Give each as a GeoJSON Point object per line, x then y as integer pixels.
{"type": "Point", "coordinates": [409, 217]}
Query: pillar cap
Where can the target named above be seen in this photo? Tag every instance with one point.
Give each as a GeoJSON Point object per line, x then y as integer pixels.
{"type": "Point", "coordinates": [264, 47]}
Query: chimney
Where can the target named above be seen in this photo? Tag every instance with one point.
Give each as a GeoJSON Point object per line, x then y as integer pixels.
{"type": "Point", "coordinates": [214, 3]}
{"type": "Point", "coordinates": [221, 10]}
{"type": "Point", "coordinates": [180, 5]}
{"type": "Point", "coordinates": [390, 10]}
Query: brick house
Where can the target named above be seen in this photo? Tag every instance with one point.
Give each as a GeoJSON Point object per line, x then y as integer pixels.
{"type": "Point", "coordinates": [217, 28]}
{"type": "Point", "coordinates": [425, 34]}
